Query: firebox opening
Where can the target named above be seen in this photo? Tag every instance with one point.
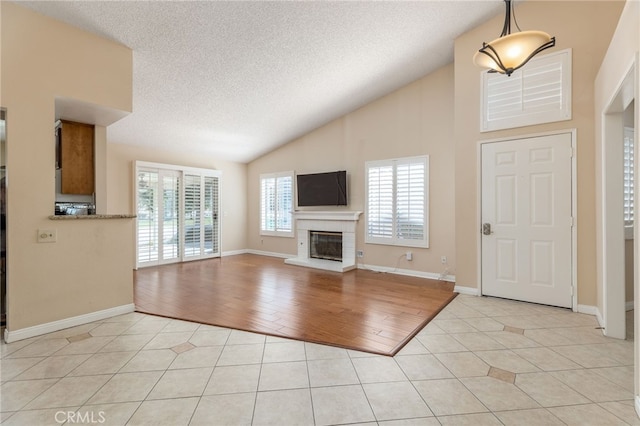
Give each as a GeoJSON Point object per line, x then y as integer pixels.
{"type": "Point", "coordinates": [325, 245]}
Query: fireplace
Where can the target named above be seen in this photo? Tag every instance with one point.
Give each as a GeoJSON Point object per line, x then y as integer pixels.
{"type": "Point", "coordinates": [336, 232]}
{"type": "Point", "coordinates": [325, 245]}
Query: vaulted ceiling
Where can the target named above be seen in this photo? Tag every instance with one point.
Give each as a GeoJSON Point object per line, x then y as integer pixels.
{"type": "Point", "coordinates": [237, 79]}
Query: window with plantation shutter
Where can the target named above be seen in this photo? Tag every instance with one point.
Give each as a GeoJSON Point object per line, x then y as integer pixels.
{"type": "Point", "coordinates": [539, 92]}
{"type": "Point", "coordinates": [276, 204]}
{"type": "Point", "coordinates": [397, 202]}
{"type": "Point", "coordinates": [628, 179]}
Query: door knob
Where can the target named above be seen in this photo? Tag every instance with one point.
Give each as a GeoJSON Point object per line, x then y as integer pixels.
{"type": "Point", "coordinates": [486, 229]}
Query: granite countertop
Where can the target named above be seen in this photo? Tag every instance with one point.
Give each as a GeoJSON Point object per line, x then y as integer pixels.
{"type": "Point", "coordinates": [92, 216]}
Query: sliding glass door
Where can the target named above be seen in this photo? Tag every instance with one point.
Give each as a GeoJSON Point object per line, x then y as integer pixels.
{"type": "Point", "coordinates": [178, 212]}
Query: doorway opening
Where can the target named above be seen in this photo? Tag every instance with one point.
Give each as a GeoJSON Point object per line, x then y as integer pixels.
{"type": "Point", "coordinates": [617, 210]}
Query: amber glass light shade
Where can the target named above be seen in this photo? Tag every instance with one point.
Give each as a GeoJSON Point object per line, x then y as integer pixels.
{"type": "Point", "coordinates": [507, 54]}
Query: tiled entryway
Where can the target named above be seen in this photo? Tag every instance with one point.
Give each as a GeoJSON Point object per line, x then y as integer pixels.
{"type": "Point", "coordinates": [481, 361]}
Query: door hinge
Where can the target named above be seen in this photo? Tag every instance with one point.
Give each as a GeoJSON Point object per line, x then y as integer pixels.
{"type": "Point", "coordinates": [571, 222]}
{"type": "Point", "coordinates": [571, 151]}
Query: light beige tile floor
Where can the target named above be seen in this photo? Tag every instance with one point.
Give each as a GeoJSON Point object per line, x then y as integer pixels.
{"type": "Point", "coordinates": [481, 361]}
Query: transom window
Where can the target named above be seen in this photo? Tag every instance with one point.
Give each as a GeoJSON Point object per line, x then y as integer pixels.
{"type": "Point", "coordinates": [538, 93]}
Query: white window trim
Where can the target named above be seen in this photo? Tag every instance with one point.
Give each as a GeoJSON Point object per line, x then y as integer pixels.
{"type": "Point", "coordinates": [394, 241]}
{"type": "Point", "coordinates": [283, 233]}
{"type": "Point", "coordinates": [564, 58]}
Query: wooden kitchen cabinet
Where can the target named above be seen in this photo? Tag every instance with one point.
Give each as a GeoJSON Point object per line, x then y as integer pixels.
{"type": "Point", "coordinates": [76, 158]}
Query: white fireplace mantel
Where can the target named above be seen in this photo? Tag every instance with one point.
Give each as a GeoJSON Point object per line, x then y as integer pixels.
{"type": "Point", "coordinates": [332, 221]}
{"type": "Point", "coordinates": [327, 215]}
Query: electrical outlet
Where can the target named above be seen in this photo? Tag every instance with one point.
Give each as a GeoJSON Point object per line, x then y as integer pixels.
{"type": "Point", "coordinates": [47, 235]}
{"type": "Point", "coordinates": [409, 255]}
{"type": "Point", "coordinates": [360, 253]}
{"type": "Point", "coordinates": [443, 260]}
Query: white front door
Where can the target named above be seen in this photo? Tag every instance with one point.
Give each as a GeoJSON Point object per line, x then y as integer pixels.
{"type": "Point", "coordinates": [527, 220]}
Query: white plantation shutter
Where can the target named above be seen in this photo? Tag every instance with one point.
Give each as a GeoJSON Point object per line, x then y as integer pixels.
{"type": "Point", "coordinates": [267, 204]}
{"type": "Point", "coordinates": [397, 202]}
{"type": "Point", "coordinates": [380, 201]}
{"type": "Point", "coordinates": [276, 204]}
{"type": "Point", "coordinates": [211, 202]}
{"type": "Point", "coordinates": [539, 92]}
{"type": "Point", "coordinates": [147, 216]}
{"type": "Point", "coordinates": [284, 203]}
{"type": "Point", "coordinates": [170, 214]}
{"type": "Point", "coordinates": [628, 177]}
{"type": "Point", "coordinates": [410, 201]}
{"type": "Point", "coordinates": [192, 223]}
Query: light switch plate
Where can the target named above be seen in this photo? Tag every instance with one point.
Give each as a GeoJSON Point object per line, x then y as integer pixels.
{"type": "Point", "coordinates": [47, 235]}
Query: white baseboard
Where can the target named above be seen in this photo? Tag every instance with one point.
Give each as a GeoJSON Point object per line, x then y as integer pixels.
{"type": "Point", "coordinates": [467, 290]}
{"type": "Point", "coordinates": [50, 327]}
{"type": "Point", "coordinates": [408, 272]}
{"type": "Point", "coordinates": [270, 254]}
{"type": "Point", "coordinates": [386, 269]}
{"type": "Point", "coordinates": [588, 309]}
{"type": "Point", "coordinates": [234, 252]}
{"type": "Point", "coordinates": [592, 310]}
{"type": "Point", "coordinates": [629, 306]}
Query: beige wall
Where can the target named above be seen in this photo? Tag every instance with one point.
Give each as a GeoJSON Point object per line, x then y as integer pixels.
{"type": "Point", "coordinates": [584, 26]}
{"type": "Point", "coordinates": [233, 189]}
{"type": "Point", "coordinates": [89, 268]}
{"type": "Point", "coordinates": [415, 120]}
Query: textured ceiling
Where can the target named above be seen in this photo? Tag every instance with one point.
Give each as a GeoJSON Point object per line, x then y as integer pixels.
{"type": "Point", "coordinates": [237, 79]}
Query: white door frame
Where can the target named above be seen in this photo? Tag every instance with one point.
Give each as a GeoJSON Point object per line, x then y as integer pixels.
{"type": "Point", "coordinates": [574, 205]}
{"type": "Point", "coordinates": [611, 261]}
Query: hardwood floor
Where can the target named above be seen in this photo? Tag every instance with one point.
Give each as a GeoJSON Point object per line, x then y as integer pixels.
{"type": "Point", "coordinates": [361, 310]}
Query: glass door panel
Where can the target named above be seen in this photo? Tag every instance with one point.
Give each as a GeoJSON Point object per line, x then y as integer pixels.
{"type": "Point", "coordinates": [210, 219]}
{"type": "Point", "coordinates": [171, 222]}
{"type": "Point", "coordinates": [193, 243]}
{"type": "Point", "coordinates": [158, 222]}
{"type": "Point", "coordinates": [147, 212]}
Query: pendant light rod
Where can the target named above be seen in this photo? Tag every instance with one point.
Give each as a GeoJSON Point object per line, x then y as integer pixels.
{"type": "Point", "coordinates": [506, 28]}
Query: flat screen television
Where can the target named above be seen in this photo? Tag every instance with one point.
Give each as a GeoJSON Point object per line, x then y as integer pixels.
{"type": "Point", "coordinates": [322, 189]}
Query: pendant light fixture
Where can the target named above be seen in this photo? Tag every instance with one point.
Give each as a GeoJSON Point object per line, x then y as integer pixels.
{"type": "Point", "coordinates": [509, 52]}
